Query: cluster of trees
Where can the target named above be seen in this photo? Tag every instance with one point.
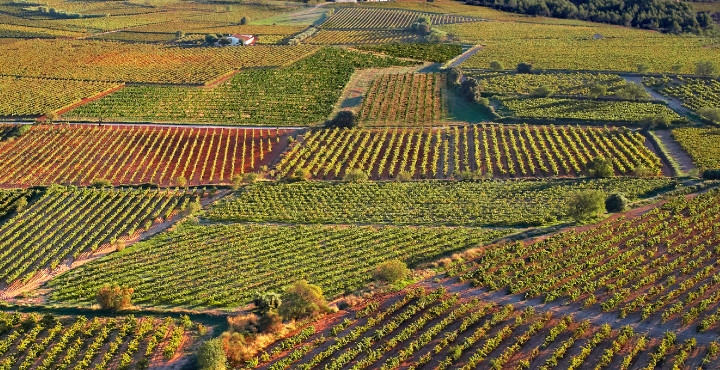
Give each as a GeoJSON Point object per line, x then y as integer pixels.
{"type": "Point", "coordinates": [662, 15]}
{"type": "Point", "coordinates": [423, 27]}
{"type": "Point", "coordinates": [59, 13]}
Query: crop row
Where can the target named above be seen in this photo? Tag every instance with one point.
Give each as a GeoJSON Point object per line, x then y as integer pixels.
{"type": "Point", "coordinates": [562, 83]}
{"type": "Point", "coordinates": [67, 224]}
{"type": "Point", "coordinates": [9, 199]}
{"type": "Point", "coordinates": [660, 266]}
{"type": "Point", "coordinates": [592, 110]}
{"type": "Point", "coordinates": [481, 203]}
{"type": "Point", "coordinates": [500, 151]}
{"type": "Point", "coordinates": [301, 94]}
{"type": "Point", "coordinates": [385, 19]}
{"type": "Point", "coordinates": [226, 265]}
{"type": "Point", "coordinates": [437, 330]}
{"type": "Point", "coordinates": [347, 37]}
{"type": "Point", "coordinates": [437, 53]}
{"type": "Point", "coordinates": [79, 154]}
{"type": "Point", "coordinates": [78, 343]}
{"type": "Point", "coordinates": [696, 93]}
{"type": "Point", "coordinates": [409, 98]}
{"type": "Point", "coordinates": [702, 144]}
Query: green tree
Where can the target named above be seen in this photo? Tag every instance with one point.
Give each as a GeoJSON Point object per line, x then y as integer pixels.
{"type": "Point", "coordinates": [179, 34]}
{"type": "Point", "coordinates": [344, 119]}
{"type": "Point", "coordinates": [302, 299]}
{"type": "Point", "coordinates": [600, 167]}
{"type": "Point", "coordinates": [211, 355]}
{"type": "Point", "coordinates": [114, 297]}
{"type": "Point", "coordinates": [707, 68]}
{"type": "Point", "coordinates": [244, 21]}
{"type": "Point", "coordinates": [101, 183]}
{"type": "Point", "coordinates": [597, 90]}
{"type": "Point", "coordinates": [355, 175]}
{"type": "Point", "coordinates": [237, 181]}
{"type": "Point", "coordinates": [524, 68]}
{"type": "Point", "coordinates": [267, 302]}
{"type": "Point", "coordinates": [497, 65]}
{"type": "Point", "coordinates": [542, 91]}
{"type": "Point", "coordinates": [20, 204]}
{"type": "Point", "coordinates": [710, 114]}
{"type": "Point", "coordinates": [454, 76]}
{"type": "Point", "coordinates": [391, 271]}
{"type": "Point", "coordinates": [586, 204]}
{"type": "Point", "coordinates": [616, 203]}
{"type": "Point", "coordinates": [181, 181]}
{"type": "Point", "coordinates": [677, 68]}
{"type": "Point", "coordinates": [633, 91]}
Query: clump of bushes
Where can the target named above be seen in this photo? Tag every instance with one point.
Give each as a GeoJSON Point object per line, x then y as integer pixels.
{"type": "Point", "coordinates": [391, 271]}
{"type": "Point", "coordinates": [600, 167]}
{"type": "Point", "coordinates": [114, 297]}
{"type": "Point", "coordinates": [616, 203]}
{"type": "Point", "coordinates": [584, 205]}
{"type": "Point", "coordinates": [355, 175]}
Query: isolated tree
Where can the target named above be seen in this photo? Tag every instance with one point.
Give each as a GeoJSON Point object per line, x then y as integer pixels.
{"type": "Point", "coordinates": [710, 114]}
{"type": "Point", "coordinates": [244, 21]}
{"type": "Point", "coordinates": [586, 204]}
{"type": "Point", "coordinates": [633, 91]}
{"type": "Point", "coordinates": [237, 180]}
{"type": "Point", "coordinates": [707, 68]}
{"type": "Point", "coordinates": [497, 65]}
{"type": "Point", "coordinates": [597, 90]}
{"type": "Point", "coordinates": [194, 207]}
{"type": "Point", "coordinates": [542, 91]}
{"type": "Point", "coordinates": [600, 167]}
{"type": "Point", "coordinates": [251, 177]}
{"type": "Point", "coordinates": [391, 271]}
{"type": "Point", "coordinates": [211, 38]}
{"type": "Point", "coordinates": [524, 68]}
{"type": "Point", "coordinates": [267, 302]}
{"type": "Point", "coordinates": [114, 297]}
{"type": "Point", "coordinates": [211, 355]}
{"type": "Point", "coordinates": [355, 175]}
{"type": "Point", "coordinates": [181, 181]}
{"type": "Point", "coordinates": [302, 299]}
{"type": "Point", "coordinates": [616, 203]}
{"type": "Point", "coordinates": [51, 117]}
{"type": "Point", "coordinates": [179, 34]}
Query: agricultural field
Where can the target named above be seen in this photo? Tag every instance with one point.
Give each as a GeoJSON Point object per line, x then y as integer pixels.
{"type": "Point", "coordinates": [299, 95]}
{"type": "Point", "coordinates": [489, 151]}
{"type": "Point", "coordinates": [80, 154]}
{"type": "Point", "coordinates": [561, 83]}
{"type": "Point", "coordinates": [81, 343]}
{"type": "Point", "coordinates": [589, 110]}
{"type": "Point", "coordinates": [122, 62]}
{"type": "Point", "coordinates": [702, 144]}
{"type": "Point", "coordinates": [696, 93]}
{"type": "Point", "coordinates": [359, 18]}
{"type": "Point", "coordinates": [239, 261]}
{"type": "Point", "coordinates": [352, 37]}
{"type": "Point", "coordinates": [67, 224]}
{"type": "Point", "coordinates": [436, 203]}
{"type": "Point", "coordinates": [9, 200]}
{"type": "Point", "coordinates": [437, 53]}
{"type": "Point", "coordinates": [414, 99]}
{"type": "Point", "coordinates": [22, 96]}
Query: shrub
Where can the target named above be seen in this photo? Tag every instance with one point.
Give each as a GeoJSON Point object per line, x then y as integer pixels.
{"type": "Point", "coordinates": [101, 183]}
{"type": "Point", "coordinates": [243, 21]}
{"type": "Point", "coordinates": [355, 175]}
{"type": "Point", "coordinates": [181, 181]}
{"type": "Point", "coordinates": [658, 121]}
{"type": "Point", "coordinates": [404, 176]}
{"type": "Point", "coordinates": [616, 203]}
{"type": "Point", "coordinates": [194, 207]}
{"type": "Point", "coordinates": [114, 298]}
{"type": "Point", "coordinates": [302, 299]}
{"type": "Point", "coordinates": [712, 174]}
{"type": "Point", "coordinates": [600, 167]}
{"type": "Point", "coordinates": [586, 204]}
{"type": "Point", "coordinates": [251, 177]}
{"type": "Point", "coordinates": [524, 68]}
{"type": "Point", "coordinates": [236, 182]}
{"type": "Point", "coordinates": [632, 91]}
{"type": "Point", "coordinates": [391, 271]}
{"type": "Point", "coordinates": [211, 356]}
{"type": "Point", "coordinates": [644, 171]}
{"type": "Point", "coordinates": [344, 119]}
{"type": "Point", "coordinates": [497, 65]}
{"type": "Point", "coordinates": [20, 204]}
{"type": "Point", "coordinates": [301, 174]}
{"type": "Point", "coordinates": [267, 302]}
{"type": "Point", "coordinates": [179, 34]}
{"type": "Point", "coordinates": [710, 114]}
{"type": "Point", "coordinates": [707, 69]}
{"type": "Point", "coordinates": [596, 90]}
{"type": "Point", "coordinates": [542, 91]}
{"type": "Point", "coordinates": [454, 76]}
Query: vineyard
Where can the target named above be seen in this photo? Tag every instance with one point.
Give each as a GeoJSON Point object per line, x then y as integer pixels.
{"type": "Point", "coordinates": [301, 94]}
{"type": "Point", "coordinates": [437, 53]}
{"type": "Point", "coordinates": [36, 96]}
{"type": "Point", "coordinates": [591, 110]}
{"type": "Point", "coordinates": [562, 83]}
{"type": "Point", "coordinates": [357, 18]}
{"type": "Point", "coordinates": [334, 37]}
{"type": "Point", "coordinates": [428, 328]}
{"type": "Point", "coordinates": [9, 199]}
{"type": "Point", "coordinates": [488, 150]}
{"type": "Point", "coordinates": [122, 62]}
{"type": "Point", "coordinates": [239, 261]}
{"type": "Point", "coordinates": [67, 224]}
{"type": "Point", "coordinates": [702, 144]}
{"type": "Point", "coordinates": [484, 203]}
{"type": "Point", "coordinates": [696, 93]}
{"type": "Point", "coordinates": [29, 341]}
{"type": "Point", "coordinates": [411, 98]}
{"type": "Point", "coordinates": [80, 154]}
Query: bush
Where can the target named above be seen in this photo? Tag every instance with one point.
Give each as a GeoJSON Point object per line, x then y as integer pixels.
{"type": "Point", "coordinates": [497, 65]}
{"type": "Point", "coordinates": [454, 76]}
{"type": "Point", "coordinates": [237, 181]}
{"type": "Point", "coordinates": [596, 90]}
{"type": "Point", "coordinates": [181, 181]}
{"type": "Point", "coordinates": [404, 176]}
{"type": "Point", "coordinates": [267, 302]}
{"type": "Point", "coordinates": [20, 204]}
{"type": "Point", "coordinates": [712, 174]}
{"type": "Point", "coordinates": [114, 298]}
{"type": "Point", "coordinates": [301, 174]}
{"type": "Point", "coordinates": [391, 271]}
{"type": "Point", "coordinates": [524, 68]}
{"type": "Point", "coordinates": [101, 183]}
{"type": "Point", "coordinates": [707, 69]}
{"type": "Point", "coordinates": [542, 91]}
{"type": "Point", "coordinates": [251, 177]}
{"type": "Point", "coordinates": [600, 167]}
{"type": "Point", "coordinates": [211, 356]}
{"type": "Point", "coordinates": [660, 121]}
{"type": "Point", "coordinates": [644, 171]}
{"type": "Point", "coordinates": [344, 119]}
{"type": "Point", "coordinates": [632, 91]}
{"type": "Point", "coordinates": [710, 114]}
{"type": "Point", "coordinates": [355, 175]}
{"type": "Point", "coordinates": [179, 34]}
{"type": "Point", "coordinates": [616, 203]}
{"type": "Point", "coordinates": [194, 207]}
{"type": "Point", "coordinates": [302, 299]}
{"type": "Point", "coordinates": [469, 89]}
{"type": "Point", "coordinates": [586, 204]}
{"type": "Point", "coordinates": [243, 21]}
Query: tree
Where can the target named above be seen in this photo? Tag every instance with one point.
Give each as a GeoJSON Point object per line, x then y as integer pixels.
{"type": "Point", "coordinates": [224, 41]}
{"type": "Point", "coordinates": [179, 34]}
{"type": "Point", "coordinates": [633, 91]}
{"type": "Point", "coordinates": [243, 21]}
{"type": "Point", "coordinates": [470, 89]}
{"type": "Point", "coordinates": [707, 68]}
{"type": "Point", "coordinates": [454, 76]}
{"type": "Point", "coordinates": [542, 91]}
{"type": "Point", "coordinates": [404, 176]}
{"type": "Point", "coordinates": [251, 177]}
{"type": "Point", "coordinates": [302, 299]}
{"type": "Point", "coordinates": [51, 116]}
{"type": "Point", "coordinates": [643, 68]}
{"type": "Point", "coordinates": [496, 65]}
{"type": "Point", "coordinates": [301, 174]}
{"type": "Point", "coordinates": [391, 271]}
{"type": "Point", "coordinates": [211, 355]}
{"type": "Point", "coordinates": [237, 181]}
{"type": "Point", "coordinates": [114, 297]}
{"type": "Point", "coordinates": [355, 175]}
{"type": "Point", "coordinates": [600, 167]}
{"type": "Point", "coordinates": [20, 204]}
{"type": "Point", "coordinates": [211, 38]}
{"type": "Point", "coordinates": [597, 90]}
{"type": "Point", "coordinates": [267, 302]}
{"type": "Point", "coordinates": [344, 119]}
{"type": "Point", "coordinates": [658, 121]}
{"type": "Point", "coordinates": [194, 207]}
{"type": "Point", "coordinates": [616, 203]}
{"type": "Point", "coordinates": [524, 68]}
{"type": "Point", "coordinates": [710, 114]}
{"type": "Point", "coordinates": [181, 181]}
{"type": "Point", "coordinates": [101, 183]}
{"type": "Point", "coordinates": [586, 204]}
